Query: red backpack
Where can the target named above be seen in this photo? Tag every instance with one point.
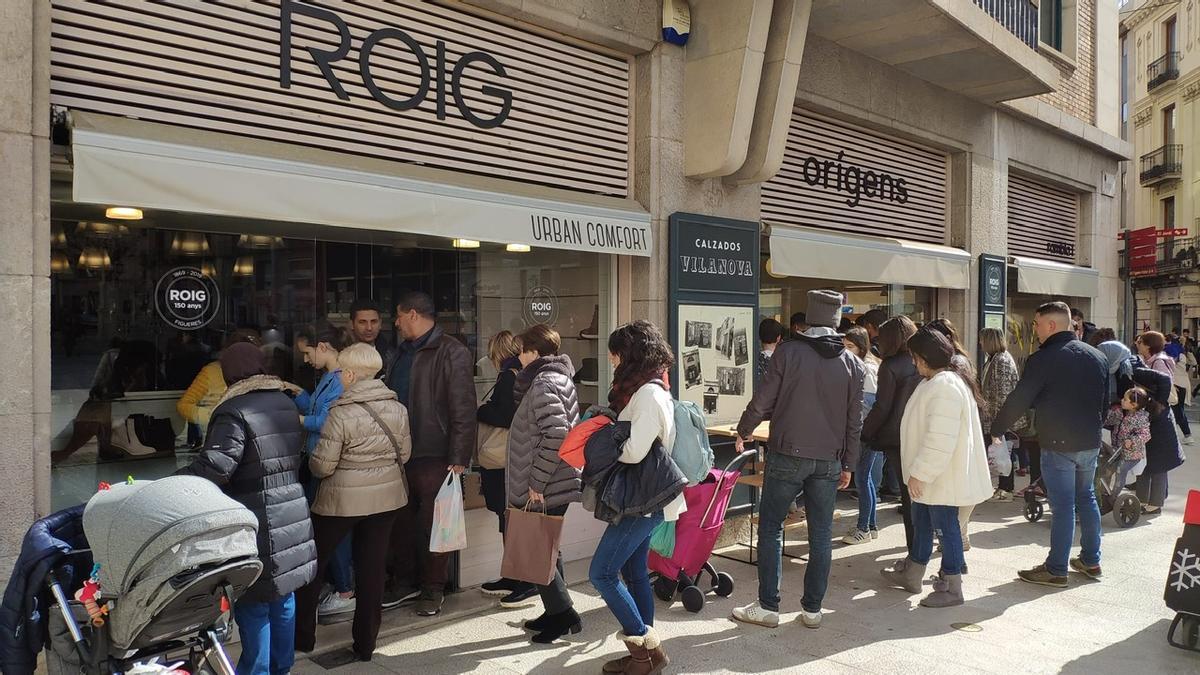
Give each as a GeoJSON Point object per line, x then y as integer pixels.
{"type": "Point", "coordinates": [571, 450]}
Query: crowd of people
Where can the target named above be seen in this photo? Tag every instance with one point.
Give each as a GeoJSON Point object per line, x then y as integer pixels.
{"type": "Point", "coordinates": [343, 478]}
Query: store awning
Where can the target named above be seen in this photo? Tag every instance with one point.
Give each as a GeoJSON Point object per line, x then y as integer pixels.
{"type": "Point", "coordinates": [801, 252]}
{"type": "Point", "coordinates": [126, 162]}
{"type": "Point", "coordinates": [1051, 278]}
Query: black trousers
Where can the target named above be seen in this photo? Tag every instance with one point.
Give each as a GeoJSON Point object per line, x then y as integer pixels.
{"type": "Point", "coordinates": [495, 494]}
{"type": "Point", "coordinates": [371, 534]}
{"type": "Point", "coordinates": [893, 458]}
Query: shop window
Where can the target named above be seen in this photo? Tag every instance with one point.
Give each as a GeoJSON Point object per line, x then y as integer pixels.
{"type": "Point", "coordinates": [780, 298]}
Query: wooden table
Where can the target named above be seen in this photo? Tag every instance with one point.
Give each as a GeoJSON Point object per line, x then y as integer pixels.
{"type": "Point", "coordinates": [761, 433]}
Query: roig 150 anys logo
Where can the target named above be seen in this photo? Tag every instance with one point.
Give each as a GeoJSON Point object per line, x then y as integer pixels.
{"type": "Point", "coordinates": [187, 298]}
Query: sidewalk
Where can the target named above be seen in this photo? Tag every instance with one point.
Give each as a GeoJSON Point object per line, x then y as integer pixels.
{"type": "Point", "coordinates": [1118, 625]}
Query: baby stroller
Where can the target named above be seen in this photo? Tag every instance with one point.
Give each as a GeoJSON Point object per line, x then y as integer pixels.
{"type": "Point", "coordinates": [696, 534]}
{"type": "Point", "coordinates": [1125, 507]}
{"type": "Point", "coordinates": [173, 555]}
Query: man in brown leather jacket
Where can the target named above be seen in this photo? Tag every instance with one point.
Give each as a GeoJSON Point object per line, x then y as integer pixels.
{"type": "Point", "coordinates": [433, 376]}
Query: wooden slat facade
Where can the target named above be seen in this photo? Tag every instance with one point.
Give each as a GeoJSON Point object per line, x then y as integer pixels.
{"type": "Point", "coordinates": [216, 65]}
{"type": "Point", "coordinates": [790, 199]}
{"type": "Point", "coordinates": [1041, 219]}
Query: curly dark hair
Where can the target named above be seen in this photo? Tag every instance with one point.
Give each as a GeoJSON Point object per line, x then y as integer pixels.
{"type": "Point", "coordinates": [645, 356]}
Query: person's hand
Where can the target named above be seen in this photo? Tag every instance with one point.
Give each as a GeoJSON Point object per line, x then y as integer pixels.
{"type": "Point", "coordinates": [916, 487]}
{"type": "Point", "coordinates": [458, 469]}
{"type": "Point", "coordinates": [536, 497]}
{"type": "Point", "coordinates": [997, 440]}
{"type": "Point", "coordinates": [844, 480]}
{"type": "Point", "coordinates": [739, 445]}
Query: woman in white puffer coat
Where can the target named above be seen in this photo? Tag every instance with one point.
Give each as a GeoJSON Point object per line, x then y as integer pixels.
{"type": "Point", "coordinates": [944, 464]}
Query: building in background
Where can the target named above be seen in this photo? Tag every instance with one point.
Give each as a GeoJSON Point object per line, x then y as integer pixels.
{"type": "Point", "coordinates": [520, 160]}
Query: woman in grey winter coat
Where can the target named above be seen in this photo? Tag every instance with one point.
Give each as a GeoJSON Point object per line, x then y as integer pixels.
{"type": "Point", "coordinates": [535, 476]}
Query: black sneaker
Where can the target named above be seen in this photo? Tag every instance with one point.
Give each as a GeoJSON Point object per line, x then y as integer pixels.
{"type": "Point", "coordinates": [522, 596]}
{"type": "Point", "coordinates": [430, 603]}
{"type": "Point", "coordinates": [399, 595]}
{"type": "Point", "coordinates": [499, 587]}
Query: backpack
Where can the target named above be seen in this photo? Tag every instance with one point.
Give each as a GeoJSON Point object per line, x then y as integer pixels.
{"type": "Point", "coordinates": [692, 453]}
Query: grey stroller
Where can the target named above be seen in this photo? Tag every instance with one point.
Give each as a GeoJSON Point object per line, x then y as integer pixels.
{"type": "Point", "coordinates": [173, 554]}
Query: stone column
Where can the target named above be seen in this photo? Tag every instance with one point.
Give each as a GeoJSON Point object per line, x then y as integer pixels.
{"type": "Point", "coordinates": [24, 271]}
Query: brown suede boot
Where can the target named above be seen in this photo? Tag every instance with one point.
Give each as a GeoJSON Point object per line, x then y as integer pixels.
{"type": "Point", "coordinates": [646, 655]}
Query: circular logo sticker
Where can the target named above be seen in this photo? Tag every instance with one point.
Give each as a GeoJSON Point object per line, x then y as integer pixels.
{"type": "Point", "coordinates": [541, 306]}
{"type": "Point", "coordinates": [187, 298]}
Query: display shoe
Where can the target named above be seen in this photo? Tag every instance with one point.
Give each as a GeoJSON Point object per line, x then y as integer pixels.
{"type": "Point", "coordinates": [592, 332]}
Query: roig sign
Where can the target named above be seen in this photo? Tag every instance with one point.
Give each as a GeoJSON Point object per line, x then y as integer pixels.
{"type": "Point", "coordinates": [437, 74]}
{"type": "Point", "coordinates": [187, 298]}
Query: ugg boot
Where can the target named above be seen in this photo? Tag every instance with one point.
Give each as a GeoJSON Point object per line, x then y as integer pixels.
{"type": "Point", "coordinates": [646, 655]}
{"type": "Point", "coordinates": [905, 574]}
{"type": "Point", "coordinates": [947, 592]}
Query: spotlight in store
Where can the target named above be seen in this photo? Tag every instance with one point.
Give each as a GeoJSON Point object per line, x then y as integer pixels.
{"type": "Point", "coordinates": [259, 242]}
{"type": "Point", "coordinates": [517, 248]}
{"type": "Point", "coordinates": [208, 269]}
{"type": "Point", "coordinates": [123, 213]}
{"type": "Point", "coordinates": [465, 243]}
{"type": "Point", "coordinates": [244, 266]}
{"type": "Point", "coordinates": [95, 258]}
{"type": "Point", "coordinates": [101, 230]}
{"type": "Point", "coordinates": [58, 236]}
{"type": "Point", "coordinates": [59, 263]}
{"type": "Point", "coordinates": [189, 244]}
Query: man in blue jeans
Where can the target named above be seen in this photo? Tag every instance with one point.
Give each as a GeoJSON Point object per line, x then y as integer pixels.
{"type": "Point", "coordinates": [1066, 383]}
{"type": "Point", "coordinates": [813, 395]}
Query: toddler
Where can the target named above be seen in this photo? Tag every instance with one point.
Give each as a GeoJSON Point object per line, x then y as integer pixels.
{"type": "Point", "coordinates": [1130, 422]}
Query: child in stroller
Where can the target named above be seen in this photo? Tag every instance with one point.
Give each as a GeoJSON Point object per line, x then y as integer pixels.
{"type": "Point", "coordinates": [171, 556]}
{"type": "Point", "coordinates": [1130, 425]}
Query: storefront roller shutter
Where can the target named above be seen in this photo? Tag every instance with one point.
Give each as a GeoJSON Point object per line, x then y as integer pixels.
{"type": "Point", "coordinates": [219, 65]}
{"type": "Point", "coordinates": [1043, 221]}
{"type": "Point", "coordinates": [840, 177]}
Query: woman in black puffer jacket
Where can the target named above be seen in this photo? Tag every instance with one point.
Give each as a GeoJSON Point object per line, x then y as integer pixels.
{"type": "Point", "coordinates": [898, 378]}
{"type": "Point", "coordinates": [547, 408]}
{"type": "Point", "coordinates": [253, 452]}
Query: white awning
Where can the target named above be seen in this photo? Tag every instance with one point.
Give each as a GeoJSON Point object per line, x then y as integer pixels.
{"type": "Point", "coordinates": [1051, 278]}
{"type": "Point", "coordinates": [801, 252]}
{"type": "Point", "coordinates": [126, 162]}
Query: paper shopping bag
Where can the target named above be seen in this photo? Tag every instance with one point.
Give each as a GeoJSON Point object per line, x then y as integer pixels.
{"type": "Point", "coordinates": [531, 542]}
{"type": "Point", "coordinates": [449, 520]}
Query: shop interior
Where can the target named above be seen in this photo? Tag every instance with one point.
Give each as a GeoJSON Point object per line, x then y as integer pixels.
{"type": "Point", "coordinates": [276, 280]}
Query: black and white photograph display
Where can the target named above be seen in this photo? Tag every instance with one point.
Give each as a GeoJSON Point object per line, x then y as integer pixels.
{"type": "Point", "coordinates": [714, 359]}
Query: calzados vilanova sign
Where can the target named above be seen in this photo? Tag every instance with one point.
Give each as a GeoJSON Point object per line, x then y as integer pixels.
{"type": "Point", "coordinates": [432, 75]}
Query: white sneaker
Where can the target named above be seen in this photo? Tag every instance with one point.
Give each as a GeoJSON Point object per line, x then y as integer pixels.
{"type": "Point", "coordinates": [810, 619]}
{"type": "Point", "coordinates": [874, 534]}
{"type": "Point", "coordinates": [856, 536]}
{"type": "Point", "coordinates": [1002, 496]}
{"type": "Point", "coordinates": [334, 603]}
{"type": "Point", "coordinates": [1187, 440]}
{"type": "Point", "coordinates": [755, 614]}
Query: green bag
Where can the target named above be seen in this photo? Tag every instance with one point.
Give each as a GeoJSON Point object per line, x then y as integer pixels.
{"type": "Point", "coordinates": [662, 539]}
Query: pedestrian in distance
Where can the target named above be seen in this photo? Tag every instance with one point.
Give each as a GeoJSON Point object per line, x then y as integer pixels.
{"type": "Point", "coordinates": [997, 381]}
{"type": "Point", "coordinates": [813, 395]}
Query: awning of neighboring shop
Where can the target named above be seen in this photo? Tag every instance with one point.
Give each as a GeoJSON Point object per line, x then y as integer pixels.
{"type": "Point", "coordinates": [801, 252]}
{"type": "Point", "coordinates": [1051, 278]}
{"type": "Point", "coordinates": [126, 162]}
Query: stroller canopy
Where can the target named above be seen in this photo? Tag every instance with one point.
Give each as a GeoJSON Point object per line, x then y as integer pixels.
{"type": "Point", "coordinates": [165, 527]}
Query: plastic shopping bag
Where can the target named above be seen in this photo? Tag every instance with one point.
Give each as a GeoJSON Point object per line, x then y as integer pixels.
{"type": "Point", "coordinates": [1138, 468]}
{"type": "Point", "coordinates": [449, 520]}
{"type": "Point", "coordinates": [999, 456]}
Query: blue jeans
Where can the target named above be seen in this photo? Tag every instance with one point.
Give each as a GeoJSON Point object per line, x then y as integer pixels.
{"type": "Point", "coordinates": [785, 479]}
{"type": "Point", "coordinates": [268, 631]}
{"type": "Point", "coordinates": [944, 519]}
{"type": "Point", "coordinates": [868, 474]}
{"type": "Point", "coordinates": [625, 548]}
{"type": "Point", "coordinates": [1070, 479]}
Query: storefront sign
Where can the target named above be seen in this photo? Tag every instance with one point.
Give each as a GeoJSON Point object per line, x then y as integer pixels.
{"type": "Point", "coordinates": [1064, 249]}
{"type": "Point", "coordinates": [838, 174]}
{"type": "Point", "coordinates": [186, 298]}
{"type": "Point", "coordinates": [595, 235]}
{"type": "Point", "coordinates": [710, 254]}
{"type": "Point", "coordinates": [443, 76]}
{"type": "Point", "coordinates": [993, 292]}
{"type": "Point", "coordinates": [540, 306]}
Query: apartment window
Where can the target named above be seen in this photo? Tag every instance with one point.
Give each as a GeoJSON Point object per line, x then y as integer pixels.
{"type": "Point", "coordinates": [1168, 128]}
{"type": "Point", "coordinates": [1168, 223]}
{"type": "Point", "coordinates": [1169, 36]}
{"type": "Point", "coordinates": [1051, 22]}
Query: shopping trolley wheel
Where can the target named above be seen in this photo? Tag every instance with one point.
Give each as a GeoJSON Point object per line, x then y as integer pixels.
{"type": "Point", "coordinates": [1189, 632]}
{"type": "Point", "coordinates": [1127, 510]}
{"type": "Point", "coordinates": [724, 585]}
{"type": "Point", "coordinates": [664, 588]}
{"type": "Point", "coordinates": [693, 599]}
{"type": "Point", "coordinates": [1034, 511]}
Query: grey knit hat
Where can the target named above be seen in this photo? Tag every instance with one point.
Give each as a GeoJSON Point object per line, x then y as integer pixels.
{"type": "Point", "coordinates": [824, 308]}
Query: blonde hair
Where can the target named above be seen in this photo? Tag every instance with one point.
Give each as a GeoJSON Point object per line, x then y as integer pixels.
{"type": "Point", "coordinates": [361, 359]}
{"type": "Point", "coordinates": [502, 346]}
{"type": "Point", "coordinates": [992, 341]}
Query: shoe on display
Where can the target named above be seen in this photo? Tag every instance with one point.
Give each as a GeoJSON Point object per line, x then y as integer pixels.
{"type": "Point", "coordinates": [592, 332]}
{"type": "Point", "coordinates": [755, 614]}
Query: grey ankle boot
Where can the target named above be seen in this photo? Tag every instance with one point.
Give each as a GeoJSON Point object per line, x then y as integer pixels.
{"type": "Point", "coordinates": [947, 592]}
{"type": "Point", "coordinates": [906, 574]}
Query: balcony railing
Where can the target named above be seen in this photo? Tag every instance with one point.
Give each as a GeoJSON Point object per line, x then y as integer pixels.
{"type": "Point", "coordinates": [1162, 71]}
{"type": "Point", "coordinates": [1019, 17]}
{"type": "Point", "coordinates": [1165, 163]}
{"type": "Point", "coordinates": [1177, 256]}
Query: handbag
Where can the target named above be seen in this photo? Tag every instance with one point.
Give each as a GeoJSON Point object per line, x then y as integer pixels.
{"type": "Point", "coordinates": [491, 446]}
{"type": "Point", "coordinates": [531, 541]}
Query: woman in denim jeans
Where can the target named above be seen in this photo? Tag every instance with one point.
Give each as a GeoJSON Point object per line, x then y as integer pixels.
{"type": "Point", "coordinates": [869, 471]}
{"type": "Point", "coordinates": [641, 358]}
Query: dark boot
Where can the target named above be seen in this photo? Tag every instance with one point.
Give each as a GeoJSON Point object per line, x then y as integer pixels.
{"type": "Point", "coordinates": [646, 655]}
{"type": "Point", "coordinates": [537, 625]}
{"type": "Point", "coordinates": [558, 625]}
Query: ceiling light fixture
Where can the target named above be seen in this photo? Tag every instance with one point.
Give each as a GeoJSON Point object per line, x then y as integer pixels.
{"type": "Point", "coordinates": [59, 263]}
{"type": "Point", "coordinates": [123, 213]}
{"type": "Point", "coordinates": [189, 244]}
{"type": "Point", "coordinates": [518, 248]}
{"type": "Point", "coordinates": [95, 258]}
{"type": "Point", "coordinates": [244, 266]}
{"type": "Point", "coordinates": [465, 243]}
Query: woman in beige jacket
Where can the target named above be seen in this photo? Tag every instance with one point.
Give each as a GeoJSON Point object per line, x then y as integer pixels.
{"type": "Point", "coordinates": [364, 444]}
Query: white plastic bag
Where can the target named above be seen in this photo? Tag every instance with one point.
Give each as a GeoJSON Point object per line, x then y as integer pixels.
{"type": "Point", "coordinates": [449, 520]}
{"type": "Point", "coordinates": [1138, 468]}
{"type": "Point", "coordinates": [999, 457]}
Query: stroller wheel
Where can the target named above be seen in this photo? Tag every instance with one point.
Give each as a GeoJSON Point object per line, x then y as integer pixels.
{"type": "Point", "coordinates": [1034, 511]}
{"type": "Point", "coordinates": [693, 599]}
{"type": "Point", "coordinates": [664, 588]}
{"type": "Point", "coordinates": [724, 585]}
{"type": "Point", "coordinates": [1127, 510]}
